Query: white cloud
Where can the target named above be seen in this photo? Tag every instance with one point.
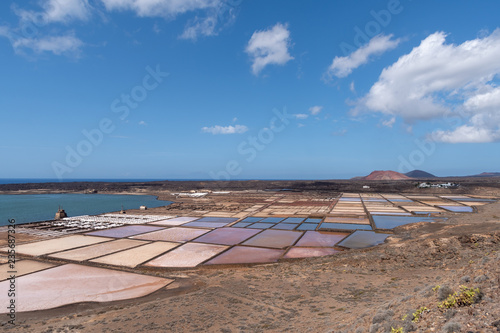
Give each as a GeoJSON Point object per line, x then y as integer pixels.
{"type": "Point", "coordinates": [268, 47]}
{"type": "Point", "coordinates": [343, 66]}
{"type": "Point", "coordinates": [58, 45]}
{"type": "Point", "coordinates": [466, 134]}
{"type": "Point", "coordinates": [301, 116]}
{"type": "Point", "coordinates": [437, 79]}
{"type": "Point", "coordinates": [352, 88]}
{"type": "Point", "coordinates": [62, 11]}
{"type": "Point", "coordinates": [156, 28]}
{"type": "Point", "coordinates": [483, 125]}
{"type": "Point", "coordinates": [236, 129]}
{"type": "Point", "coordinates": [142, 123]}
{"type": "Point", "coordinates": [162, 8]}
{"type": "Point", "coordinates": [203, 27]}
{"type": "Point", "coordinates": [315, 109]}
{"type": "Point", "coordinates": [217, 17]}
{"type": "Point", "coordinates": [340, 132]}
{"type": "Point", "coordinates": [389, 122]}
{"type": "Point", "coordinates": [54, 11]}
{"type": "Point", "coordinates": [58, 11]}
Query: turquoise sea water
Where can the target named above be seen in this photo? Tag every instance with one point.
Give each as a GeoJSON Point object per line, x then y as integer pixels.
{"type": "Point", "coordinates": [41, 207]}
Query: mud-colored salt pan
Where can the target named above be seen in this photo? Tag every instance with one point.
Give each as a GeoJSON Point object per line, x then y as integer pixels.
{"type": "Point", "coordinates": [274, 238]}
{"type": "Point", "coordinates": [58, 244]}
{"type": "Point", "coordinates": [246, 255]}
{"type": "Point", "coordinates": [306, 252]}
{"type": "Point", "coordinates": [22, 267]}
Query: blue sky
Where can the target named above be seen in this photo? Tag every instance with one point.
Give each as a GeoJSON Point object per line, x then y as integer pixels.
{"type": "Point", "coordinates": [234, 89]}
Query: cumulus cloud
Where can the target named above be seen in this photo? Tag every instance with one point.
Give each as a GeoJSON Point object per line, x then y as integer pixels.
{"type": "Point", "coordinates": [315, 109]}
{"type": "Point", "coordinates": [483, 125]}
{"type": "Point", "coordinates": [236, 129]}
{"type": "Point", "coordinates": [343, 66]}
{"type": "Point", "coordinates": [269, 47]}
{"type": "Point", "coordinates": [437, 80]}
{"type": "Point", "coordinates": [162, 8]}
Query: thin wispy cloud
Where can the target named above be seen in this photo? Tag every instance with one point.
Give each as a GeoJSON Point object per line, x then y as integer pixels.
{"type": "Point", "coordinates": [216, 18]}
{"type": "Point", "coordinates": [389, 123]}
{"type": "Point", "coordinates": [236, 129]}
{"type": "Point", "coordinates": [58, 45]}
{"type": "Point", "coordinates": [200, 27]}
{"type": "Point", "coordinates": [315, 110]}
{"type": "Point", "coordinates": [352, 87]}
{"type": "Point", "coordinates": [301, 115]}
{"type": "Point", "coordinates": [48, 35]}
{"type": "Point", "coordinates": [162, 8]}
{"type": "Point", "coordinates": [269, 47]}
{"type": "Point", "coordinates": [343, 66]}
{"type": "Point", "coordinates": [60, 11]}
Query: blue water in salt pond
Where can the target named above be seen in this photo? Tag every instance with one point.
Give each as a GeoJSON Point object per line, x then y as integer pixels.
{"type": "Point", "coordinates": [41, 207]}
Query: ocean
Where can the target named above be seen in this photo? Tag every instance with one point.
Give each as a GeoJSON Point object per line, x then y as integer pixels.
{"type": "Point", "coordinates": [55, 180]}
{"type": "Point", "coordinates": [26, 208]}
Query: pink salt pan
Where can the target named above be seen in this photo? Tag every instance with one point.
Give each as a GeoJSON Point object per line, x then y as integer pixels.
{"type": "Point", "coordinates": [187, 255]}
{"type": "Point", "coordinates": [71, 283]}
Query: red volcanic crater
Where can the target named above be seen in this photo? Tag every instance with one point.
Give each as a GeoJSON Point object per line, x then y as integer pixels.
{"type": "Point", "coordinates": [385, 175]}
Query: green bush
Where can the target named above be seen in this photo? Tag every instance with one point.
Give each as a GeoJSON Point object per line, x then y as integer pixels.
{"type": "Point", "coordinates": [465, 297]}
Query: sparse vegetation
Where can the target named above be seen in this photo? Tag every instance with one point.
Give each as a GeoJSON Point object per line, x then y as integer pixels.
{"type": "Point", "coordinates": [417, 314]}
{"type": "Point", "coordinates": [397, 330]}
{"type": "Point", "coordinates": [465, 297]}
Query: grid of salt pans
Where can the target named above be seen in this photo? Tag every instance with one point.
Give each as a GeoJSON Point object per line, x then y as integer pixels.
{"type": "Point", "coordinates": [349, 204]}
{"type": "Point", "coordinates": [106, 221]}
{"type": "Point", "coordinates": [382, 206]}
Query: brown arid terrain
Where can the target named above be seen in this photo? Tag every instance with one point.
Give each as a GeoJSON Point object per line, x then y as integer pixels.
{"type": "Point", "coordinates": [407, 284]}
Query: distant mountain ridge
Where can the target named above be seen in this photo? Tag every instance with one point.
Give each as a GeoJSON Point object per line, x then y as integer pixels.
{"type": "Point", "coordinates": [384, 175]}
{"type": "Point", "coordinates": [487, 174]}
{"type": "Point", "coordinates": [419, 174]}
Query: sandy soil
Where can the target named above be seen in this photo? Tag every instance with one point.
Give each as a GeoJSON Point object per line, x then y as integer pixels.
{"type": "Point", "coordinates": [371, 290]}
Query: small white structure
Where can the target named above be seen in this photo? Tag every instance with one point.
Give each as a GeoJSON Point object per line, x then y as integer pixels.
{"type": "Point", "coordinates": [190, 195]}
{"type": "Point", "coordinates": [366, 186]}
{"type": "Point", "coordinates": [143, 208]}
